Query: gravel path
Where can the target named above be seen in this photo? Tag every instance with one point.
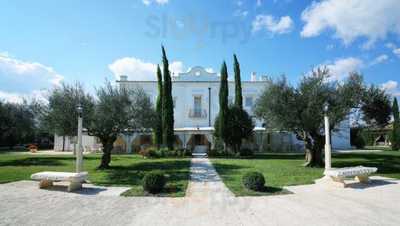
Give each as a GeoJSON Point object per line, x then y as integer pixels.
{"type": "Point", "coordinates": [205, 182]}
{"type": "Point", "coordinates": [208, 203]}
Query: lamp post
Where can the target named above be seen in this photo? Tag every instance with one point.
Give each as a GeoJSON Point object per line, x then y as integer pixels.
{"type": "Point", "coordinates": [79, 153]}
{"type": "Point", "coordinates": [327, 139]}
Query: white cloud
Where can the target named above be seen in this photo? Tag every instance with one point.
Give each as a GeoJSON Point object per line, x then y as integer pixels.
{"type": "Point", "coordinates": [351, 19]}
{"type": "Point", "coordinates": [390, 45]}
{"type": "Point", "coordinates": [241, 13]}
{"type": "Point", "coordinates": [4, 54]}
{"type": "Point", "coordinates": [159, 2]}
{"type": "Point", "coordinates": [391, 87]}
{"type": "Point", "coordinates": [13, 97]}
{"type": "Point", "coordinates": [340, 68]}
{"type": "Point", "coordinates": [258, 3]}
{"type": "Point", "coordinates": [397, 52]}
{"type": "Point", "coordinates": [269, 23]}
{"type": "Point", "coordinates": [139, 70]}
{"type": "Point", "coordinates": [379, 59]}
{"type": "Point", "coordinates": [330, 47]}
{"type": "Point", "coordinates": [176, 67]}
{"type": "Point", "coordinates": [393, 47]}
{"type": "Point", "coordinates": [23, 79]}
{"type": "Point", "coordinates": [25, 70]}
{"type": "Point", "coordinates": [209, 70]}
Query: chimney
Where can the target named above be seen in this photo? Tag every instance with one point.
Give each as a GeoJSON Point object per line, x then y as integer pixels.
{"type": "Point", "coordinates": [253, 77]}
{"type": "Point", "coordinates": [123, 78]}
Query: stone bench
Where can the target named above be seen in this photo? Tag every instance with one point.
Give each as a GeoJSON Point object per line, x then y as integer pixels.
{"type": "Point", "coordinates": [360, 173]}
{"type": "Point", "coordinates": [46, 179]}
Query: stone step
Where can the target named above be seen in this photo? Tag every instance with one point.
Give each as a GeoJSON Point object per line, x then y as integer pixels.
{"type": "Point", "coordinates": [199, 155]}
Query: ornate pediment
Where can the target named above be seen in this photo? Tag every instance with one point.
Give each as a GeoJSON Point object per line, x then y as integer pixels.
{"type": "Point", "coordinates": [197, 74]}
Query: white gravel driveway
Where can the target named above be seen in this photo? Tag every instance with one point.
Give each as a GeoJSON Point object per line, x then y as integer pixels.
{"type": "Point", "coordinates": [208, 203]}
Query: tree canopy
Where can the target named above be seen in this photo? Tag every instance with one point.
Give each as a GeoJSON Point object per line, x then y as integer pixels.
{"type": "Point", "coordinates": [396, 126]}
{"type": "Point", "coordinates": [300, 109]}
{"type": "Point", "coordinates": [158, 131]}
{"type": "Point", "coordinates": [17, 123]}
{"type": "Point", "coordinates": [62, 113]}
{"type": "Point", "coordinates": [168, 105]}
{"type": "Point", "coordinates": [376, 107]}
{"type": "Point", "coordinates": [116, 111]}
{"type": "Point", "coordinates": [238, 126]}
{"type": "Point", "coordinates": [238, 83]}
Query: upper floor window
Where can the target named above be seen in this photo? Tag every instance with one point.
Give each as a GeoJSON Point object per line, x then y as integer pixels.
{"type": "Point", "coordinates": [197, 103]}
{"type": "Point", "coordinates": [249, 102]}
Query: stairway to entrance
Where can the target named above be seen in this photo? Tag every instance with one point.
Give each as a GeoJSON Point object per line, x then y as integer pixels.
{"type": "Point", "coordinates": [200, 151]}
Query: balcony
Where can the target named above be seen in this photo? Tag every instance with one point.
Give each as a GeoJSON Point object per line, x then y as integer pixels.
{"type": "Point", "coordinates": [197, 113]}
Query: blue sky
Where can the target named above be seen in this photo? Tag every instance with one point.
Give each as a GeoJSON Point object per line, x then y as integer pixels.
{"type": "Point", "coordinates": [45, 42]}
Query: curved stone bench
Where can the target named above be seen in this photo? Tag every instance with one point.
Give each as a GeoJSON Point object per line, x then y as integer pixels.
{"type": "Point", "coordinates": [360, 173]}
{"type": "Point", "coordinates": [47, 178]}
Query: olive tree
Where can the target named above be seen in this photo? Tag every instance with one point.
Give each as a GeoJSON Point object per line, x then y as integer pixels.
{"type": "Point", "coordinates": [376, 107]}
{"type": "Point", "coordinates": [116, 111]}
{"type": "Point", "coordinates": [300, 109]}
{"type": "Point", "coordinates": [61, 115]}
{"type": "Point", "coordinates": [17, 124]}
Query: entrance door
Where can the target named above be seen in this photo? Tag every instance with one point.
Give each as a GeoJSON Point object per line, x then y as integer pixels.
{"type": "Point", "coordinates": [198, 139]}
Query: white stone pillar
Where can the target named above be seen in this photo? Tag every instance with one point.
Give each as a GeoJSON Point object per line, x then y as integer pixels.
{"type": "Point", "coordinates": [327, 144]}
{"type": "Point", "coordinates": [128, 138]}
{"type": "Point", "coordinates": [209, 137]}
{"type": "Point", "coordinates": [79, 154]}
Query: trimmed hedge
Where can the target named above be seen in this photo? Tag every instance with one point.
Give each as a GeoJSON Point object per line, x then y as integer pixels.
{"type": "Point", "coordinates": [154, 182]}
{"type": "Point", "coordinates": [254, 181]}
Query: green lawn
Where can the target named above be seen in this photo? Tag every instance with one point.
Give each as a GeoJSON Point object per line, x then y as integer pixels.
{"type": "Point", "coordinates": [126, 170]}
{"type": "Point", "coordinates": [286, 169]}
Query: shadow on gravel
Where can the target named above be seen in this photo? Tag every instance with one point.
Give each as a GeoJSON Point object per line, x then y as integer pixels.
{"type": "Point", "coordinates": [372, 183]}
{"type": "Point", "coordinates": [83, 191]}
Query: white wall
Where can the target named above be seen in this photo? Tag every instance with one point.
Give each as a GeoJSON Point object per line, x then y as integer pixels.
{"type": "Point", "coordinates": [184, 90]}
{"type": "Point", "coordinates": [88, 142]}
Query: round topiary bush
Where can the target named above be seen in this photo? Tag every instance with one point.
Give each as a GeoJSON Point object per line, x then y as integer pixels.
{"type": "Point", "coordinates": [254, 181]}
{"type": "Point", "coordinates": [154, 182]}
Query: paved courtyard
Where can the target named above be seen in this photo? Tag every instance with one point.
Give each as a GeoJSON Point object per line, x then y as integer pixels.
{"type": "Point", "coordinates": [208, 202]}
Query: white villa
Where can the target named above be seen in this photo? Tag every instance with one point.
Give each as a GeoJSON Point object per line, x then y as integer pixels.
{"type": "Point", "coordinates": [196, 106]}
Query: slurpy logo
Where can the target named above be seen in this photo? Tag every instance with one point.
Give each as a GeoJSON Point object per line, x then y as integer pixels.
{"type": "Point", "coordinates": [198, 27]}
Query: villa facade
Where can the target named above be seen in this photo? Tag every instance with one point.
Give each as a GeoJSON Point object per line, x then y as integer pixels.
{"type": "Point", "coordinates": [196, 105]}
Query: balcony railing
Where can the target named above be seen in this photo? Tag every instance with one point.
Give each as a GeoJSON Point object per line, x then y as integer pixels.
{"type": "Point", "coordinates": [197, 113]}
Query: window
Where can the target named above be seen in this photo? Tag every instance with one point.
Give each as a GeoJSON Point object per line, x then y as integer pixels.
{"type": "Point", "coordinates": [197, 105]}
{"type": "Point", "coordinates": [249, 102]}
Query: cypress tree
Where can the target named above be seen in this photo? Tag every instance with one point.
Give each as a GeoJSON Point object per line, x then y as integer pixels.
{"type": "Point", "coordinates": [238, 83]}
{"type": "Point", "coordinates": [168, 105]}
{"type": "Point", "coordinates": [396, 126]}
{"type": "Point", "coordinates": [158, 135]}
{"type": "Point", "coordinates": [223, 102]}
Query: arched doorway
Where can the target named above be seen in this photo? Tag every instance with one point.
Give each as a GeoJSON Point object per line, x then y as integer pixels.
{"type": "Point", "coordinates": [141, 142]}
{"type": "Point", "coordinates": [198, 141]}
{"type": "Point", "coordinates": [119, 146]}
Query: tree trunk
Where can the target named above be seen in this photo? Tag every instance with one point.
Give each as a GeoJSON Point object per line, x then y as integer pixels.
{"type": "Point", "coordinates": [313, 151]}
{"type": "Point", "coordinates": [63, 146]}
{"type": "Point", "coordinates": [106, 157]}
